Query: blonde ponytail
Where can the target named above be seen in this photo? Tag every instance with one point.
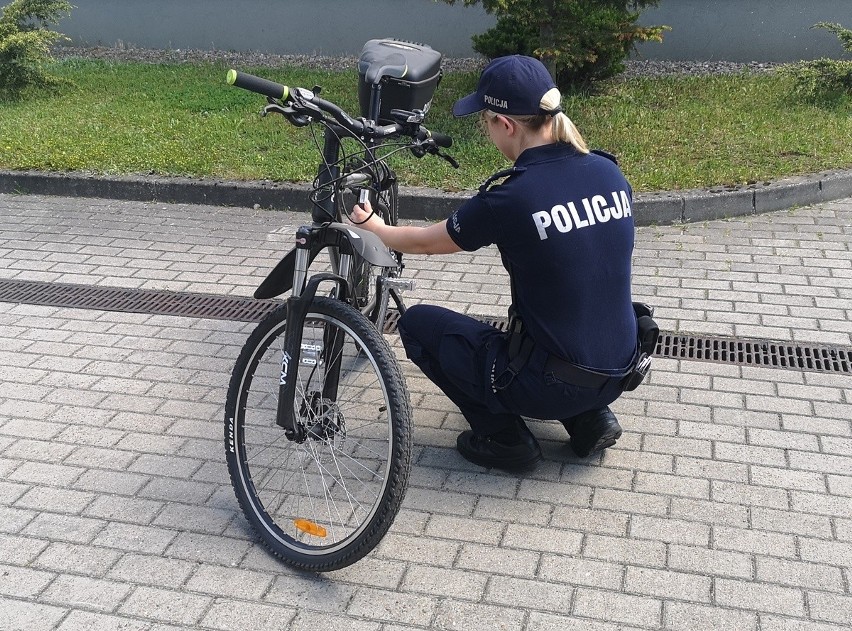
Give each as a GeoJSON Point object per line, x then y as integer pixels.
{"type": "Point", "coordinates": [564, 129]}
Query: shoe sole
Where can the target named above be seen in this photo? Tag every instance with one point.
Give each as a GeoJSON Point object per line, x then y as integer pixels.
{"type": "Point", "coordinates": [604, 442]}
{"type": "Point", "coordinates": [525, 465]}
{"type": "Point", "coordinates": [519, 462]}
{"type": "Point", "coordinates": [506, 465]}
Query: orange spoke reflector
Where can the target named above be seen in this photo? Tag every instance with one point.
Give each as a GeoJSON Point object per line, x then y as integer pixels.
{"type": "Point", "coordinates": [310, 527]}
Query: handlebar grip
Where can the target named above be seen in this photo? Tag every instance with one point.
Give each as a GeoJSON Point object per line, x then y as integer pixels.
{"type": "Point", "coordinates": [442, 140]}
{"type": "Point", "coordinates": [257, 84]}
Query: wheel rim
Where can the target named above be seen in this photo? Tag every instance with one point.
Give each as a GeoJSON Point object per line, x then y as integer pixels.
{"type": "Point", "coordinates": [319, 496]}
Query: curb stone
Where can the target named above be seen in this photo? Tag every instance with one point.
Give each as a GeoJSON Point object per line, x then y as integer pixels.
{"type": "Point", "coordinates": [655, 208]}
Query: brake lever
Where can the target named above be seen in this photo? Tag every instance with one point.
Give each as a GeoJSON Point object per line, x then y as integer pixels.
{"type": "Point", "coordinates": [297, 120]}
{"type": "Point", "coordinates": [275, 108]}
{"type": "Point", "coordinates": [428, 146]}
{"type": "Point", "coordinates": [437, 152]}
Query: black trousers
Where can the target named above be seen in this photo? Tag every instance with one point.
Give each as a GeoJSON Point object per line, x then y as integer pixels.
{"type": "Point", "coordinates": [463, 356]}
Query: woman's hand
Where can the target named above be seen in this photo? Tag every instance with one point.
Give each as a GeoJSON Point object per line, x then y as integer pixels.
{"type": "Point", "coordinates": [363, 217]}
{"type": "Point", "coordinates": [409, 239]}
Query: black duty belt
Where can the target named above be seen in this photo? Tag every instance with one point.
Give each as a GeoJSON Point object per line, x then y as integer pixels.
{"type": "Point", "coordinates": [520, 349]}
{"type": "Point", "coordinates": [576, 375]}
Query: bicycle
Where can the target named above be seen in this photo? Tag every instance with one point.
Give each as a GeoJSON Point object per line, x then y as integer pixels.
{"type": "Point", "coordinates": [317, 417]}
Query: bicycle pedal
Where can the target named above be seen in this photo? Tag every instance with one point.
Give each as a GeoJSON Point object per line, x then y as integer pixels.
{"type": "Point", "coordinates": [311, 355]}
{"type": "Point", "coordinates": [399, 284]}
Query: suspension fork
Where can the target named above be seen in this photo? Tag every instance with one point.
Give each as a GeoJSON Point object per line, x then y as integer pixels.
{"type": "Point", "coordinates": [297, 307]}
{"type": "Point", "coordinates": [332, 339]}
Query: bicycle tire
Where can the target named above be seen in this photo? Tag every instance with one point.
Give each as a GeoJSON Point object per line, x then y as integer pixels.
{"type": "Point", "coordinates": [349, 476]}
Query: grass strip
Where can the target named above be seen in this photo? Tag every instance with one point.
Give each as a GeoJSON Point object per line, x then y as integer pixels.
{"type": "Point", "coordinates": [182, 119]}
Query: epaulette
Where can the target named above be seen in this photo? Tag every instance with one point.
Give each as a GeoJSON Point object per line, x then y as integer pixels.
{"type": "Point", "coordinates": [499, 175]}
{"type": "Point", "coordinates": [606, 155]}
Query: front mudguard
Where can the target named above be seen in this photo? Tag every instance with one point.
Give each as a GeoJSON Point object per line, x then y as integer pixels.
{"type": "Point", "coordinates": [349, 238]}
{"type": "Point", "coordinates": [280, 279]}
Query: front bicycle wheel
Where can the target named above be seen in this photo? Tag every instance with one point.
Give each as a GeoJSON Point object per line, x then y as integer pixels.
{"type": "Point", "coordinates": [323, 503]}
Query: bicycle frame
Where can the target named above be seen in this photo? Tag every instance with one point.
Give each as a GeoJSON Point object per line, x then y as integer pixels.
{"type": "Point", "coordinates": [344, 242]}
{"type": "Point", "coordinates": [279, 280]}
{"type": "Point", "coordinates": [337, 381]}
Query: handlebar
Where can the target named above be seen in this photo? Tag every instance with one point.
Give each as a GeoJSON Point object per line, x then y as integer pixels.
{"type": "Point", "coordinates": [298, 103]}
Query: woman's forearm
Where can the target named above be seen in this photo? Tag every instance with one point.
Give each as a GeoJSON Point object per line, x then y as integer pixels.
{"type": "Point", "coordinates": [432, 239]}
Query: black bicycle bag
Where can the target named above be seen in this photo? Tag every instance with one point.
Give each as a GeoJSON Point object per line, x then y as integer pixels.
{"type": "Point", "coordinates": [412, 91]}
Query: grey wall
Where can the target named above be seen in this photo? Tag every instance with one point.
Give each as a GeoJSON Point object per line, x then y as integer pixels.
{"type": "Point", "coordinates": [746, 30]}
{"type": "Point", "coordinates": [331, 27]}
{"type": "Point", "coordinates": [733, 30]}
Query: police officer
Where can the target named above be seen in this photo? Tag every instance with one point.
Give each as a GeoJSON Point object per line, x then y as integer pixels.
{"type": "Point", "coordinates": [562, 220]}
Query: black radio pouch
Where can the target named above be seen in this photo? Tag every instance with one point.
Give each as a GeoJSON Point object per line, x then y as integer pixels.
{"type": "Point", "coordinates": [648, 332]}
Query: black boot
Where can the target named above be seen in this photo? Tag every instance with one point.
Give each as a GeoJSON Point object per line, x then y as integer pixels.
{"type": "Point", "coordinates": [592, 431]}
{"type": "Point", "coordinates": [512, 453]}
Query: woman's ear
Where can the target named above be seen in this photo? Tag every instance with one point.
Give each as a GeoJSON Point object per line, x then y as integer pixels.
{"type": "Point", "coordinates": [509, 126]}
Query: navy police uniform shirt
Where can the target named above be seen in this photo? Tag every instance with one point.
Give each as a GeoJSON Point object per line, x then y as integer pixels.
{"type": "Point", "coordinates": [563, 223]}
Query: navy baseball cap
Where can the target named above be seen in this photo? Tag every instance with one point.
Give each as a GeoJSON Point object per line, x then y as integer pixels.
{"type": "Point", "coordinates": [508, 85]}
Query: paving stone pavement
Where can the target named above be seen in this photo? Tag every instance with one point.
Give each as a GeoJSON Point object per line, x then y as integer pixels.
{"type": "Point", "coordinates": [726, 505]}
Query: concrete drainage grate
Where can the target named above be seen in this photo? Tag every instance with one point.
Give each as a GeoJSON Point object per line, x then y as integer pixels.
{"type": "Point", "coordinates": [391, 320]}
{"type": "Point", "coordinates": [765, 353]}
{"type": "Point", "coordinates": [135, 300]}
{"type": "Point", "coordinates": [744, 352]}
